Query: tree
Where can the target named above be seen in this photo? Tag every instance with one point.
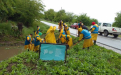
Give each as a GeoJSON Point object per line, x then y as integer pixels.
{"type": "Point", "coordinates": [93, 20]}
{"type": "Point", "coordinates": [84, 18]}
{"type": "Point", "coordinates": [67, 17]}
{"type": "Point", "coordinates": [70, 17]}
{"type": "Point", "coordinates": [6, 9]}
{"type": "Point", "coordinates": [117, 22]}
{"type": "Point", "coordinates": [25, 11]}
{"type": "Point", "coordinates": [50, 14]}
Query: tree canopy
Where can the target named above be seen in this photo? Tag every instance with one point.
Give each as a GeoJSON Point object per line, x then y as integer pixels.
{"type": "Point", "coordinates": [25, 11]}
{"type": "Point", "coordinates": [117, 22]}
{"type": "Point", "coordinates": [69, 17]}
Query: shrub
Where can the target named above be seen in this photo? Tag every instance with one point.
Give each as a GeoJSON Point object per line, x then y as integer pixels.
{"type": "Point", "coordinates": [5, 28]}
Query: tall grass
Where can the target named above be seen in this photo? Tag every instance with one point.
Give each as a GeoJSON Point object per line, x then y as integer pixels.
{"type": "Point", "coordinates": [6, 29]}
{"type": "Point", "coordinates": [26, 31]}
{"type": "Point", "coordinates": [43, 29]}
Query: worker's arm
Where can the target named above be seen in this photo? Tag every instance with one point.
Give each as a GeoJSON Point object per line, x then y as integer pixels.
{"type": "Point", "coordinates": [60, 33]}
{"type": "Point", "coordinates": [80, 37]}
{"type": "Point", "coordinates": [68, 36]}
{"type": "Point", "coordinates": [53, 29]}
{"type": "Point", "coordinates": [63, 36]}
{"type": "Point", "coordinates": [31, 41]}
{"type": "Point", "coordinates": [92, 29]}
{"type": "Point", "coordinates": [38, 38]}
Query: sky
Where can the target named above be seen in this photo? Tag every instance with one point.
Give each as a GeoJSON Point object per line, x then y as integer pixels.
{"type": "Point", "coordinates": [103, 10]}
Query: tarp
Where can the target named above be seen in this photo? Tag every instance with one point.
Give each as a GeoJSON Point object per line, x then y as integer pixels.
{"type": "Point", "coordinates": [53, 52]}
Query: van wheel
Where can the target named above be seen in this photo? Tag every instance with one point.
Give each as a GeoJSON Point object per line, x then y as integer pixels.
{"type": "Point", "coordinates": [100, 33]}
{"type": "Point", "coordinates": [115, 35]}
{"type": "Point", "coordinates": [106, 33]}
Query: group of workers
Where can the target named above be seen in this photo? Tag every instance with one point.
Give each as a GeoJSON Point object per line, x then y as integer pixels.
{"type": "Point", "coordinates": [83, 33]}
{"type": "Point", "coordinates": [88, 37]}
{"type": "Point", "coordinates": [33, 43]}
{"type": "Point", "coordinates": [64, 36]}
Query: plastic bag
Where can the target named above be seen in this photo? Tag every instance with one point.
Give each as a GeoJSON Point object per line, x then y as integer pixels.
{"type": "Point", "coordinates": [40, 33]}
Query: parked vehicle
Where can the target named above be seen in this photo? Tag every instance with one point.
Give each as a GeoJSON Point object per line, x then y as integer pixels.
{"type": "Point", "coordinates": [107, 29]}
{"type": "Point", "coordinates": [75, 25]}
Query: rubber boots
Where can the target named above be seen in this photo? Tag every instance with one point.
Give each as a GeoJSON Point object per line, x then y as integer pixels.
{"type": "Point", "coordinates": [94, 42]}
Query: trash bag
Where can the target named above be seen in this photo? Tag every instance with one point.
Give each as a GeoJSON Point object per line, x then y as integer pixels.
{"type": "Point", "coordinates": [40, 33]}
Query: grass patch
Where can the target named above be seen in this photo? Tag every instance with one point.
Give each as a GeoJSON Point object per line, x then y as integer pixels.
{"type": "Point", "coordinates": [119, 36]}
{"type": "Point", "coordinates": [97, 60]}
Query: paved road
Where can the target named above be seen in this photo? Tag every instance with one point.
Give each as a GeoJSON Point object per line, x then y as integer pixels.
{"type": "Point", "coordinates": [110, 41]}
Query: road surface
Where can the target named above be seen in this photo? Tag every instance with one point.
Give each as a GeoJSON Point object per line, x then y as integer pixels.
{"type": "Point", "coordinates": [110, 42]}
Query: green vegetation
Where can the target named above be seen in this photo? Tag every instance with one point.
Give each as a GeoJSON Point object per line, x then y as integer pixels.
{"type": "Point", "coordinates": [97, 60]}
{"type": "Point", "coordinates": [25, 11]}
{"type": "Point", "coordinates": [10, 34]}
{"type": "Point", "coordinates": [117, 22]}
{"type": "Point", "coordinates": [67, 17]}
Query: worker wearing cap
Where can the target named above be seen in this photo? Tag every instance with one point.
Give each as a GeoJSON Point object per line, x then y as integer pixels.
{"type": "Point", "coordinates": [68, 39]}
{"type": "Point", "coordinates": [62, 32]}
{"type": "Point", "coordinates": [66, 29]}
{"type": "Point", "coordinates": [37, 42]}
{"type": "Point", "coordinates": [87, 37]}
{"type": "Point", "coordinates": [50, 36]}
{"type": "Point", "coordinates": [28, 42]}
{"type": "Point", "coordinates": [60, 25]}
{"type": "Point", "coordinates": [94, 32]}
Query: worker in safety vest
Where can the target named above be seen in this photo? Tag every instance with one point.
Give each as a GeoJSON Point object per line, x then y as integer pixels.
{"type": "Point", "coordinates": [66, 29]}
{"type": "Point", "coordinates": [28, 42]}
{"type": "Point", "coordinates": [62, 32]}
{"type": "Point", "coordinates": [87, 37]}
{"type": "Point", "coordinates": [50, 36]}
{"type": "Point", "coordinates": [68, 39]}
{"type": "Point", "coordinates": [32, 45]}
{"type": "Point", "coordinates": [37, 42]}
{"type": "Point", "coordinates": [94, 32]}
{"type": "Point", "coordinates": [38, 28]}
{"type": "Point", "coordinates": [60, 25]}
